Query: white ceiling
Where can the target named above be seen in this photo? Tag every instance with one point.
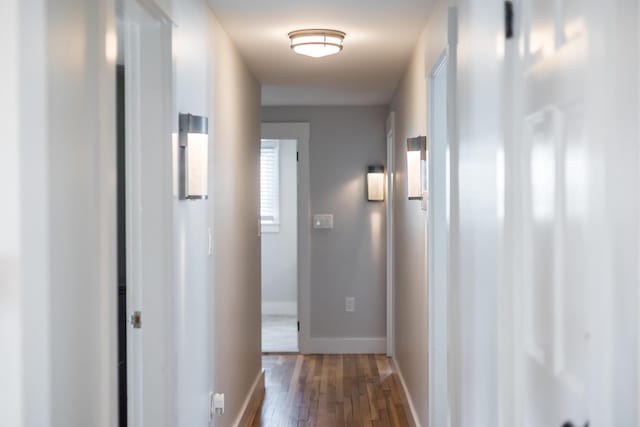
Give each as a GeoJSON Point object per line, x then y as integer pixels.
{"type": "Point", "coordinates": [381, 36]}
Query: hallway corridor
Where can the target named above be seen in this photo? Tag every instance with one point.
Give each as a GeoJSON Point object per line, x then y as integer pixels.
{"type": "Point", "coordinates": [425, 212]}
{"type": "Point", "coordinates": [331, 391]}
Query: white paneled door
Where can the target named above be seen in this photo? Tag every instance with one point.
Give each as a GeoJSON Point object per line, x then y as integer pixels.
{"type": "Point", "coordinates": [564, 278]}
{"type": "Point", "coordinates": [552, 357]}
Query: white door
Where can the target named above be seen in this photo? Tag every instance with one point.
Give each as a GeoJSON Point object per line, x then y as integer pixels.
{"type": "Point", "coordinates": [147, 62]}
{"type": "Point", "coordinates": [576, 293]}
{"type": "Point", "coordinates": [438, 248]}
{"type": "Point", "coordinates": [552, 225]}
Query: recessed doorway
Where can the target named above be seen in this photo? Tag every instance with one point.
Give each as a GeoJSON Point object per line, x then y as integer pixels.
{"type": "Point", "coordinates": [279, 231]}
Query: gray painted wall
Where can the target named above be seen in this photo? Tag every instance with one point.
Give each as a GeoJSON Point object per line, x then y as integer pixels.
{"type": "Point", "coordinates": [349, 260]}
{"type": "Point", "coordinates": [280, 249]}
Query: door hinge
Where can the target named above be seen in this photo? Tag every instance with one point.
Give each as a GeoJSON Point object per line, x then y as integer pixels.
{"type": "Point", "coordinates": [508, 20]}
{"type": "Point", "coordinates": [298, 326]}
{"type": "Point", "coordinates": [297, 156]}
{"type": "Point", "coordinates": [136, 319]}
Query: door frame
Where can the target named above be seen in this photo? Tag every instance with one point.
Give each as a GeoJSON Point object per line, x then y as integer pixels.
{"type": "Point", "coordinates": [441, 61]}
{"type": "Point", "coordinates": [391, 129]}
{"type": "Point", "coordinates": [448, 56]}
{"type": "Point", "coordinates": [301, 132]}
{"type": "Point", "coordinates": [143, 409]}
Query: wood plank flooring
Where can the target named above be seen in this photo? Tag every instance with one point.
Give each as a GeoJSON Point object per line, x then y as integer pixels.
{"type": "Point", "coordinates": [330, 391]}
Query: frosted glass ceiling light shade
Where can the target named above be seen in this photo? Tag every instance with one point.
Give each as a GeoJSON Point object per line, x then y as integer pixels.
{"type": "Point", "coordinates": [316, 43]}
{"type": "Point", "coordinates": [375, 183]}
{"type": "Point", "coordinates": [416, 167]}
{"type": "Point", "coordinates": [194, 157]}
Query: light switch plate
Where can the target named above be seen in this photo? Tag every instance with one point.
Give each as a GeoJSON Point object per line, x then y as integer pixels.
{"type": "Point", "coordinates": [425, 201]}
{"type": "Point", "coordinates": [349, 304]}
{"type": "Point", "coordinates": [323, 221]}
{"type": "Point", "coordinates": [210, 250]}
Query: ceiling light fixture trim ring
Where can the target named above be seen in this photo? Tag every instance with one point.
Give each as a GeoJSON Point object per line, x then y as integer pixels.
{"type": "Point", "coordinates": [323, 37]}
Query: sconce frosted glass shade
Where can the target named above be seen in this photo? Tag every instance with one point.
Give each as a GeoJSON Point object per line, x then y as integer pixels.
{"type": "Point", "coordinates": [375, 183]}
{"type": "Point", "coordinates": [416, 167]}
{"type": "Point", "coordinates": [194, 150]}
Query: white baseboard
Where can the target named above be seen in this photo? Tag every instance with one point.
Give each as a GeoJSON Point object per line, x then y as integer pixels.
{"type": "Point", "coordinates": [346, 346]}
{"type": "Point", "coordinates": [408, 401]}
{"type": "Point", "coordinates": [252, 402]}
{"type": "Point", "coordinates": [282, 308]}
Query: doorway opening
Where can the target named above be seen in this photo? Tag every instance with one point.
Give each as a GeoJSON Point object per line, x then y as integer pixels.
{"type": "Point", "coordinates": [299, 133]}
{"type": "Point", "coordinates": [279, 233]}
{"type": "Point", "coordinates": [438, 244]}
{"type": "Point", "coordinates": [122, 249]}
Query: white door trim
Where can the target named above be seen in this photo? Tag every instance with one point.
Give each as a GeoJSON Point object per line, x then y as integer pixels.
{"type": "Point", "coordinates": [300, 132]}
{"type": "Point", "coordinates": [150, 392]}
{"type": "Point", "coordinates": [391, 128]}
{"type": "Point", "coordinates": [441, 62]}
{"type": "Point", "coordinates": [453, 232]}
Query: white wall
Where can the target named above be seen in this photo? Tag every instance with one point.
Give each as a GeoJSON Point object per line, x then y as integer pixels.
{"type": "Point", "coordinates": [350, 259]}
{"type": "Point", "coordinates": [58, 253]}
{"type": "Point", "coordinates": [10, 287]}
{"type": "Point", "coordinates": [280, 248]}
{"type": "Point", "coordinates": [217, 297]}
{"type": "Point", "coordinates": [194, 76]}
{"type": "Point", "coordinates": [410, 222]}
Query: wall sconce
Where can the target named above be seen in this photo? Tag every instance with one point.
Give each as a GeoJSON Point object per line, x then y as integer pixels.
{"type": "Point", "coordinates": [375, 183]}
{"type": "Point", "coordinates": [417, 167]}
{"type": "Point", "coordinates": [194, 157]}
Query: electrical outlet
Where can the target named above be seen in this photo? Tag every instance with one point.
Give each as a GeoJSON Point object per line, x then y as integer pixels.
{"type": "Point", "coordinates": [349, 304]}
{"type": "Point", "coordinates": [217, 408]}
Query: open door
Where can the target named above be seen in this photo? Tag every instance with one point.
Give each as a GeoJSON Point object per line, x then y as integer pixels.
{"type": "Point", "coordinates": [148, 192]}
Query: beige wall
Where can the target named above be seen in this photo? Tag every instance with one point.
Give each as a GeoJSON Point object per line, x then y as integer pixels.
{"type": "Point", "coordinates": [236, 316]}
{"type": "Point", "coordinates": [410, 222]}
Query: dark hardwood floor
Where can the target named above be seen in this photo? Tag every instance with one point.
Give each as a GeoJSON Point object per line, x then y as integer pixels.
{"type": "Point", "coordinates": [331, 390]}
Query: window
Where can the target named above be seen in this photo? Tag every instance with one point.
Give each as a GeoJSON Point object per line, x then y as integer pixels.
{"type": "Point", "coordinates": [270, 185]}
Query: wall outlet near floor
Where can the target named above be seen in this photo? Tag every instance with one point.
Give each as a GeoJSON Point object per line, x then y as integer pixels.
{"type": "Point", "coordinates": [349, 304]}
{"type": "Point", "coordinates": [216, 404]}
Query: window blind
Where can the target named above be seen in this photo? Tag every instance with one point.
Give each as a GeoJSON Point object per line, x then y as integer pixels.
{"type": "Point", "coordinates": [269, 182]}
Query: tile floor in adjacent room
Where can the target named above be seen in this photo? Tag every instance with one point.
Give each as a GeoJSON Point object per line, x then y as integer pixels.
{"type": "Point", "coordinates": [279, 334]}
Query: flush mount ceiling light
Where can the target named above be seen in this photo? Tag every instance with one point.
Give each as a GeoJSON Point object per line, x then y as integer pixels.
{"type": "Point", "coordinates": [316, 43]}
